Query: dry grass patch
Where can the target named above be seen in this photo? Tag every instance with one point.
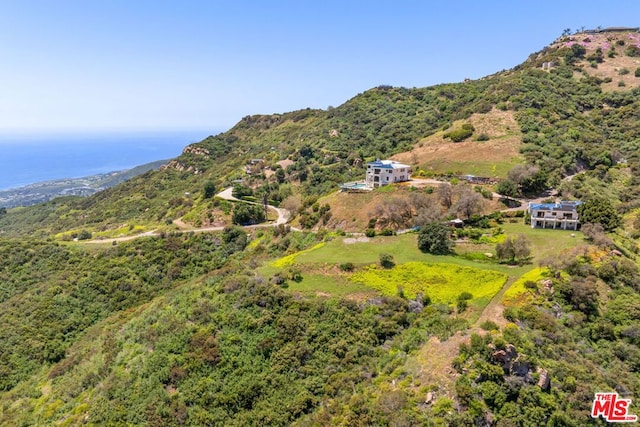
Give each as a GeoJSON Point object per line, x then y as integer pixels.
{"type": "Point", "coordinates": [613, 68]}
{"type": "Point", "coordinates": [609, 68]}
{"type": "Point", "coordinates": [484, 158]}
{"type": "Point", "coordinates": [351, 211]}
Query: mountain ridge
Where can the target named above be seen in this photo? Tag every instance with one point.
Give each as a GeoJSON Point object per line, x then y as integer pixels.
{"type": "Point", "coordinates": [274, 326]}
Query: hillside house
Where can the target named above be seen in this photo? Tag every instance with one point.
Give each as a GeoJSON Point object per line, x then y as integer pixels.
{"type": "Point", "coordinates": [383, 172]}
{"type": "Point", "coordinates": [612, 30]}
{"type": "Point", "coordinates": [562, 215]}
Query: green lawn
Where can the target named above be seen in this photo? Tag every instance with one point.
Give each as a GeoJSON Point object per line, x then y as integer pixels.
{"type": "Point", "coordinates": [319, 264]}
{"type": "Point", "coordinates": [546, 243]}
{"type": "Point", "coordinates": [318, 284]}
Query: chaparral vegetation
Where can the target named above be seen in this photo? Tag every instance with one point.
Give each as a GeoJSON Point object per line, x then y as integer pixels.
{"type": "Point", "coordinates": [238, 286]}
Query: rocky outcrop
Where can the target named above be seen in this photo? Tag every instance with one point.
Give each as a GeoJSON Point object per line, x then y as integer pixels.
{"type": "Point", "coordinates": [516, 365]}
{"type": "Point", "coordinates": [547, 286]}
{"type": "Point", "coordinates": [544, 380]}
{"type": "Point", "coordinates": [198, 151]}
{"type": "Point", "coordinates": [174, 164]}
{"type": "Point", "coordinates": [506, 357]}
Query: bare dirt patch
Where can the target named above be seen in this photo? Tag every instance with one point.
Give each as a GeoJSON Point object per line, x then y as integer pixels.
{"type": "Point", "coordinates": [351, 211]}
{"type": "Point", "coordinates": [284, 163]}
{"type": "Point", "coordinates": [432, 365]}
{"type": "Point", "coordinates": [360, 296]}
{"type": "Point", "coordinates": [352, 240]}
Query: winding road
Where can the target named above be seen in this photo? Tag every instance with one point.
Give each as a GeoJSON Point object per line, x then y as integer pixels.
{"type": "Point", "coordinates": [226, 194]}
{"type": "Point", "coordinates": [284, 215]}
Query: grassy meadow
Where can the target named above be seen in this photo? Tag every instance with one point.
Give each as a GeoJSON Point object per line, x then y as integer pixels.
{"type": "Point", "coordinates": [441, 277]}
{"type": "Point", "coordinates": [442, 283]}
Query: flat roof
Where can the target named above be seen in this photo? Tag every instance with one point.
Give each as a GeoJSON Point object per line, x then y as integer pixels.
{"type": "Point", "coordinates": [565, 206]}
{"type": "Point", "coordinates": [389, 164]}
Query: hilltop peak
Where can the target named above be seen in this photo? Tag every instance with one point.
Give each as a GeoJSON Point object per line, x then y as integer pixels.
{"type": "Point", "coordinates": [610, 55]}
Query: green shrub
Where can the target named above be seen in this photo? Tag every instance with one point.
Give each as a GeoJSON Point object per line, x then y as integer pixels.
{"type": "Point", "coordinates": [633, 51]}
{"type": "Point", "coordinates": [482, 137]}
{"type": "Point", "coordinates": [623, 71]}
{"type": "Point", "coordinates": [347, 266]}
{"type": "Point", "coordinates": [488, 325]}
{"type": "Point", "coordinates": [637, 73]}
{"type": "Point", "coordinates": [462, 305]}
{"type": "Point", "coordinates": [511, 314]}
{"type": "Point", "coordinates": [85, 235]}
{"type": "Point", "coordinates": [244, 214]}
{"type": "Point", "coordinates": [483, 107]}
{"type": "Point", "coordinates": [460, 134]}
{"type": "Point", "coordinates": [386, 261]}
{"type": "Point", "coordinates": [464, 296]}
{"type": "Point", "coordinates": [370, 232]}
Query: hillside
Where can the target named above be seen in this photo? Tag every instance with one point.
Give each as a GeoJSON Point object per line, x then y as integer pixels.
{"type": "Point", "coordinates": [492, 157]}
{"type": "Point", "coordinates": [563, 119]}
{"type": "Point", "coordinates": [489, 323]}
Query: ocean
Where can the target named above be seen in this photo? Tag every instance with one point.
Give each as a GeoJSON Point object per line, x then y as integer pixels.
{"type": "Point", "coordinates": [28, 159]}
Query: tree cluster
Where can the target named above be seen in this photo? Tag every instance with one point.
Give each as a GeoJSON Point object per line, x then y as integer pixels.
{"type": "Point", "coordinates": [599, 211]}
{"type": "Point", "coordinates": [435, 238]}
{"type": "Point", "coordinates": [514, 249]}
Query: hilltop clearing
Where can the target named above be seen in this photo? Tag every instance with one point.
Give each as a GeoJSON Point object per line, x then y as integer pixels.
{"type": "Point", "coordinates": [612, 57]}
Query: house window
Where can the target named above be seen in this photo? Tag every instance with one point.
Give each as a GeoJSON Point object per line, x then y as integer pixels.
{"type": "Point", "coordinates": [376, 171]}
{"type": "Point", "coordinates": [540, 214]}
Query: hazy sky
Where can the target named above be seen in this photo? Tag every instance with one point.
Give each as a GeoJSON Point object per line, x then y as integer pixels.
{"type": "Point", "coordinates": [153, 65]}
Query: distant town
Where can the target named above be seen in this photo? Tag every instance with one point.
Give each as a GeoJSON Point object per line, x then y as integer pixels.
{"type": "Point", "coordinates": [46, 190]}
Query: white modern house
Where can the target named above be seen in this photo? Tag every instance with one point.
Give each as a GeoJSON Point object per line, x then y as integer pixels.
{"type": "Point", "coordinates": [383, 172]}
{"type": "Point", "coordinates": [561, 215]}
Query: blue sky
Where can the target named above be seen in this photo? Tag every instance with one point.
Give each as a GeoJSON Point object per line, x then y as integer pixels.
{"type": "Point", "coordinates": [153, 65]}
